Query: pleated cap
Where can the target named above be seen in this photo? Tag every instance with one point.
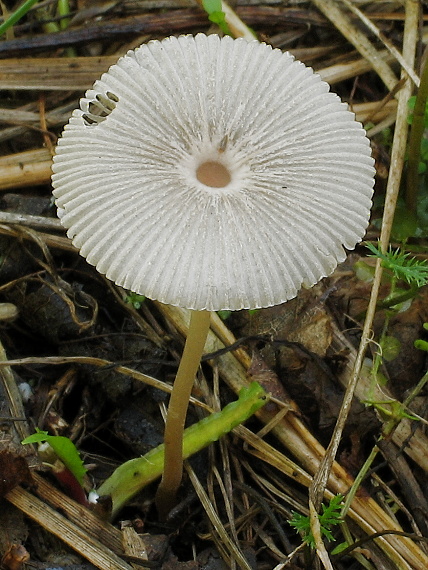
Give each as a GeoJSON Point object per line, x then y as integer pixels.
{"type": "Point", "coordinates": [213, 173]}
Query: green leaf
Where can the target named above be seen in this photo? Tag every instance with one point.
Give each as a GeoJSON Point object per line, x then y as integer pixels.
{"type": "Point", "coordinates": [211, 6]}
{"type": "Point", "coordinates": [390, 347]}
{"type": "Point", "coordinates": [411, 105]}
{"type": "Point", "coordinates": [135, 300]}
{"type": "Point", "coordinates": [339, 548]}
{"type": "Point", "coordinates": [421, 344]}
{"type": "Point", "coordinates": [405, 224]}
{"type": "Point", "coordinates": [134, 475]}
{"type": "Point", "coordinates": [16, 16]}
{"type": "Point", "coordinates": [364, 271]}
{"type": "Point", "coordinates": [217, 18]}
{"type": "Point", "coordinates": [37, 437]}
{"type": "Point", "coordinates": [252, 312]}
{"type": "Point", "coordinates": [224, 314]}
{"type": "Point", "coordinates": [64, 449]}
{"type": "Point", "coordinates": [302, 524]}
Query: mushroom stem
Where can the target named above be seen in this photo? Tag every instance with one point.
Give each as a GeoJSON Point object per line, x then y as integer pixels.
{"type": "Point", "coordinates": [177, 410]}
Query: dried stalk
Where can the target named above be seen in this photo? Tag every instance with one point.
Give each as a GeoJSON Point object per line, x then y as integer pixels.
{"type": "Point", "coordinates": [389, 46]}
{"type": "Point", "coordinates": [68, 531]}
{"type": "Point", "coordinates": [14, 398]}
{"type": "Point", "coordinates": [397, 162]}
{"type": "Point", "coordinates": [28, 168]}
{"type": "Point", "coordinates": [36, 222]}
{"type": "Point", "coordinates": [230, 547]}
{"type": "Point", "coordinates": [291, 433]}
{"type": "Point", "coordinates": [53, 73]}
{"type": "Point", "coordinates": [357, 38]}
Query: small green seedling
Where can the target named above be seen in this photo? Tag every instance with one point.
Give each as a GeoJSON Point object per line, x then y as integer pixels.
{"type": "Point", "coordinates": [64, 460]}
{"type": "Point", "coordinates": [224, 314]}
{"type": "Point", "coordinates": [134, 475]}
{"type": "Point", "coordinates": [64, 449]}
{"type": "Point", "coordinates": [413, 273]}
{"type": "Point", "coordinates": [422, 344]}
{"type": "Point", "coordinates": [328, 519]}
{"type": "Point", "coordinates": [135, 300]}
{"type": "Point", "coordinates": [216, 15]}
{"type": "Point", "coordinates": [400, 267]}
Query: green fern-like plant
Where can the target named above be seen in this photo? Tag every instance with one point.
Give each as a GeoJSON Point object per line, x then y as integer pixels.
{"type": "Point", "coordinates": [328, 519]}
{"type": "Point", "coordinates": [404, 267]}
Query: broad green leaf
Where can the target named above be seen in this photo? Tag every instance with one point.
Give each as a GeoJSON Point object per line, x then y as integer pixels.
{"type": "Point", "coordinates": [390, 348]}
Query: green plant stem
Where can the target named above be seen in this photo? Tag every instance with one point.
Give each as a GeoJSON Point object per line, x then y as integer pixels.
{"type": "Point", "coordinates": [416, 390]}
{"type": "Point", "coordinates": [358, 480]}
{"type": "Point", "coordinates": [63, 10]}
{"type": "Point", "coordinates": [135, 474]}
{"type": "Point", "coordinates": [17, 15]}
{"type": "Point", "coordinates": [177, 410]}
{"type": "Point", "coordinates": [393, 301]}
{"type": "Point", "coordinates": [416, 134]}
{"type": "Point", "coordinates": [357, 555]}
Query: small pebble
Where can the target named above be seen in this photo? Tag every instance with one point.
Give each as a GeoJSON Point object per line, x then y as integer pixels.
{"type": "Point", "coordinates": [8, 312]}
{"type": "Point", "coordinates": [26, 391]}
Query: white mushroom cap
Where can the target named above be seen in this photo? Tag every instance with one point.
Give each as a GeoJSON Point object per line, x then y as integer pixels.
{"type": "Point", "coordinates": [213, 173]}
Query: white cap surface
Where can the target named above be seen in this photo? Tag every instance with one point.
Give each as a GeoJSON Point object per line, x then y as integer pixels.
{"type": "Point", "coordinates": [291, 183]}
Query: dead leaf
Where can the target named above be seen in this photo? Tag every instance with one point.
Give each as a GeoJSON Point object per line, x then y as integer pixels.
{"type": "Point", "coordinates": [13, 471]}
{"type": "Point", "coordinates": [15, 557]}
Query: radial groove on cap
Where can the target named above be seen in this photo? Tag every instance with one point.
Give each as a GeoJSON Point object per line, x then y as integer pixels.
{"type": "Point", "coordinates": [126, 187]}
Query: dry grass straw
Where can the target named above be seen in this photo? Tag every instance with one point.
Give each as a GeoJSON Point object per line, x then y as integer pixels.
{"type": "Point", "coordinates": [357, 38]}
{"type": "Point", "coordinates": [294, 436]}
{"type": "Point", "coordinates": [27, 168]}
{"type": "Point", "coordinates": [397, 163]}
{"type": "Point", "coordinates": [53, 73]}
{"type": "Point", "coordinates": [79, 529]}
{"type": "Point", "coordinates": [227, 546]}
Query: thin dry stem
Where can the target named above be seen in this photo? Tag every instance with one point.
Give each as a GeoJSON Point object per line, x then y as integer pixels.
{"type": "Point", "coordinates": [319, 543]}
{"type": "Point", "coordinates": [236, 25]}
{"type": "Point", "coordinates": [331, 10]}
{"type": "Point", "coordinates": [14, 398]}
{"type": "Point", "coordinates": [389, 46]}
{"type": "Point", "coordinates": [231, 548]}
{"type": "Point", "coordinates": [397, 162]}
{"type": "Point", "coordinates": [292, 433]}
{"type": "Point", "coordinates": [100, 362]}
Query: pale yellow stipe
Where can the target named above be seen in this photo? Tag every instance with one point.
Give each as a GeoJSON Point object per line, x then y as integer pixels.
{"type": "Point", "coordinates": [177, 410]}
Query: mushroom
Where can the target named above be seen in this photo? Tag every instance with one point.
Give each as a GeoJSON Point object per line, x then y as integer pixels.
{"type": "Point", "coordinates": [212, 174]}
